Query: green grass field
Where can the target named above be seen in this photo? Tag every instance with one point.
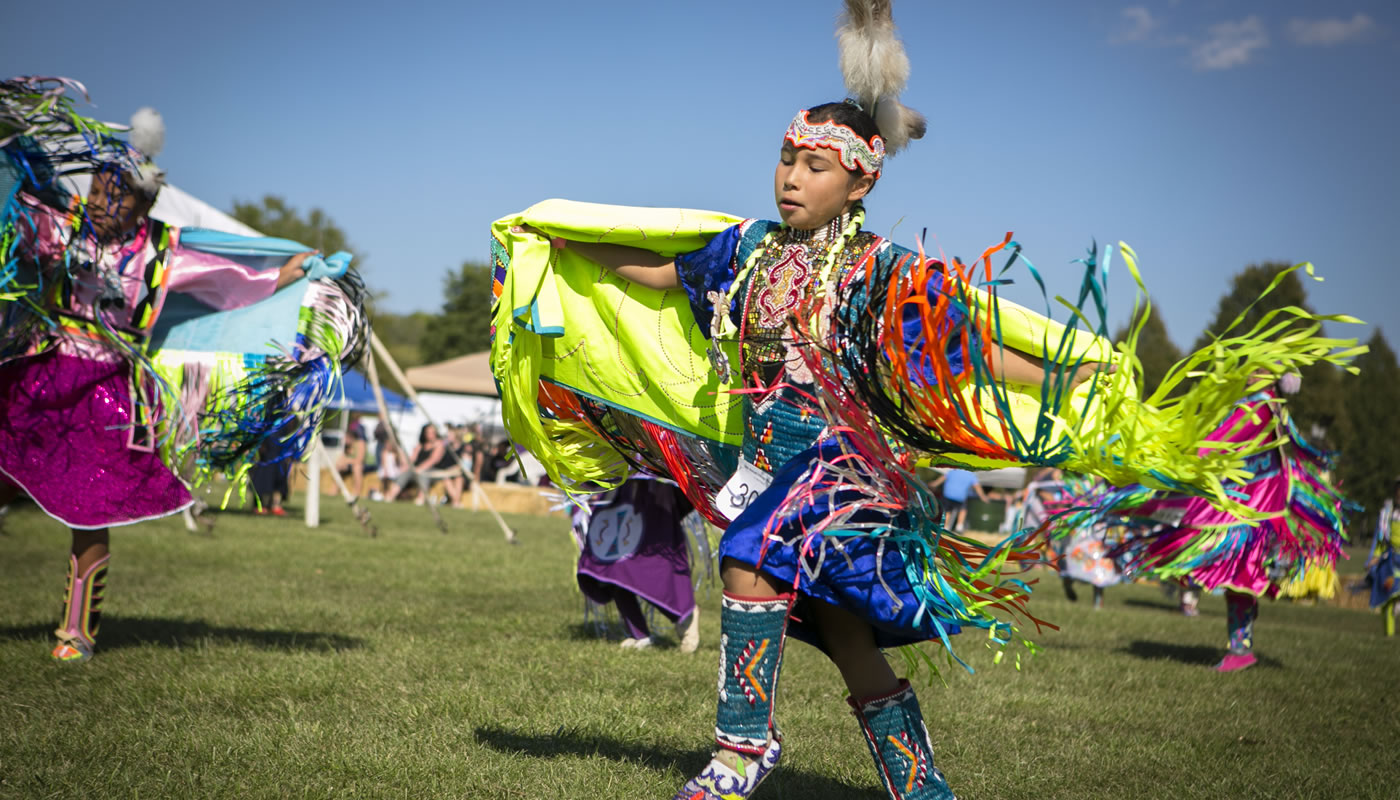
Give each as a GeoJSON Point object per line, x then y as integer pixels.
{"type": "Point", "coordinates": [269, 660]}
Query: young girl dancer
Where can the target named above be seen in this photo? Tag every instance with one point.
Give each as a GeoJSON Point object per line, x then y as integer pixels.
{"type": "Point", "coordinates": [852, 356]}
{"type": "Point", "coordinates": [93, 422]}
{"type": "Point", "coordinates": [767, 594]}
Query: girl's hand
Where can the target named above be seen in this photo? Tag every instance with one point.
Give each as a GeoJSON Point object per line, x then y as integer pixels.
{"type": "Point", "coordinates": [296, 261]}
{"type": "Point", "coordinates": [557, 242]}
{"type": "Point", "coordinates": [1087, 370]}
{"type": "Point", "coordinates": [295, 269]}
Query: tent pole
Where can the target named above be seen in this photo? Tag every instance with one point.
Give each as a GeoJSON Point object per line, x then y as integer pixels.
{"type": "Point", "coordinates": [383, 352]}
{"type": "Point", "coordinates": [372, 372]}
{"type": "Point", "coordinates": [313, 486]}
{"type": "Point", "coordinates": [361, 515]}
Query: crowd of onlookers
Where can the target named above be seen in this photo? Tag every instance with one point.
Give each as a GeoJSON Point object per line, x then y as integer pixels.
{"type": "Point", "coordinates": [452, 462]}
{"type": "Point", "coordinates": [1021, 506]}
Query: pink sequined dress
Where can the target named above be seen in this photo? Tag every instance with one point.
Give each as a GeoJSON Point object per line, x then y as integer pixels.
{"type": "Point", "coordinates": [1300, 525]}
{"type": "Point", "coordinates": [70, 436]}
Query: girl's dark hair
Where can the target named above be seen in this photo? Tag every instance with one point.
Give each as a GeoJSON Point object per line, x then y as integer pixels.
{"type": "Point", "coordinates": [848, 114]}
{"type": "Point", "coordinates": [423, 433]}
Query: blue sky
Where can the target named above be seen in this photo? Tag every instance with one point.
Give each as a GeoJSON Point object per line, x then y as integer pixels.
{"type": "Point", "coordinates": [1208, 134]}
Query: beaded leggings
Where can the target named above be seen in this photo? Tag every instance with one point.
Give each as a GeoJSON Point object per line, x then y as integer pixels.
{"type": "Point", "coordinates": [1241, 610]}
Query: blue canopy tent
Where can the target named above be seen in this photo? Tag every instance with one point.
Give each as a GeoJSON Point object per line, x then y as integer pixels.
{"type": "Point", "coordinates": [359, 396]}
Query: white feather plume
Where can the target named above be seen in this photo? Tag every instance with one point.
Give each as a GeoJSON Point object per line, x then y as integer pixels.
{"type": "Point", "coordinates": [876, 68]}
{"type": "Point", "coordinates": [147, 132]}
{"type": "Point", "coordinates": [899, 124]}
{"type": "Point", "coordinates": [873, 61]}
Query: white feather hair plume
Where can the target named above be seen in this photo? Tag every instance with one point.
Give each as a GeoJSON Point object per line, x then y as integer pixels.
{"type": "Point", "coordinates": [147, 138]}
{"type": "Point", "coordinates": [876, 68]}
{"type": "Point", "coordinates": [147, 132]}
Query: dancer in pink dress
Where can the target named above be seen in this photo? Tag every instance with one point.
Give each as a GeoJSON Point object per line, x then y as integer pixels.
{"type": "Point", "coordinates": [1295, 521]}
{"type": "Point", "coordinates": [85, 285]}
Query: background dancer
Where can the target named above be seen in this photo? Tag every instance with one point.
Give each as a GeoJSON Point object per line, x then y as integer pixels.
{"type": "Point", "coordinates": [632, 545]}
{"type": "Point", "coordinates": [1383, 564]}
{"type": "Point", "coordinates": [90, 417]}
{"type": "Point", "coordinates": [1292, 520]}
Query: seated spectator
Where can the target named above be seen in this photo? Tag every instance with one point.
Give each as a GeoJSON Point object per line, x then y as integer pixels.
{"type": "Point", "coordinates": [460, 480]}
{"type": "Point", "coordinates": [448, 468]}
{"type": "Point", "coordinates": [492, 464]}
{"type": "Point", "coordinates": [430, 450]}
{"type": "Point", "coordinates": [352, 458]}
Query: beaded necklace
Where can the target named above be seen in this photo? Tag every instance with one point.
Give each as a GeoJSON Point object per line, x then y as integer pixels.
{"type": "Point", "coordinates": [848, 225]}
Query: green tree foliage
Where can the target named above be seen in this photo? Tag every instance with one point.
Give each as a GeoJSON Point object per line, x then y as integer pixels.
{"type": "Point", "coordinates": [464, 325]}
{"type": "Point", "coordinates": [273, 217]}
{"type": "Point", "coordinates": [1371, 456]}
{"type": "Point", "coordinates": [1155, 348]}
{"type": "Point", "coordinates": [402, 334]}
{"type": "Point", "coordinates": [1245, 288]}
{"type": "Point", "coordinates": [1318, 408]}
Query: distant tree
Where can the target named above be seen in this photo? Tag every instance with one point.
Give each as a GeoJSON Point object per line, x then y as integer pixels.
{"type": "Point", "coordinates": [402, 335]}
{"type": "Point", "coordinates": [1370, 460]}
{"type": "Point", "coordinates": [1245, 289]}
{"type": "Point", "coordinates": [1318, 408]}
{"type": "Point", "coordinates": [464, 324]}
{"type": "Point", "coordinates": [273, 217]}
{"type": "Point", "coordinates": [1155, 348]}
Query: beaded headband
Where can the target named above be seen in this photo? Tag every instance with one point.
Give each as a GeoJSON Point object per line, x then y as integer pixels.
{"type": "Point", "coordinates": [854, 152]}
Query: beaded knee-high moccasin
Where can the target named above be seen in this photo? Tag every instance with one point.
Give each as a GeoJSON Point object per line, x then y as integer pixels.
{"type": "Point", "coordinates": [894, 729]}
{"type": "Point", "coordinates": [752, 632]}
{"type": "Point", "coordinates": [82, 611]}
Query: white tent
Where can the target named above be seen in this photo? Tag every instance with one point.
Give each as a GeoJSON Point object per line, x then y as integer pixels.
{"type": "Point", "coordinates": [458, 391]}
{"type": "Point", "coordinates": [469, 374]}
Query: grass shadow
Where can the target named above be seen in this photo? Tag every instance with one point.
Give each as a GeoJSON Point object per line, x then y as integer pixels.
{"type": "Point", "coordinates": [1158, 605]}
{"type": "Point", "coordinates": [118, 632]}
{"type": "Point", "coordinates": [1198, 655]}
{"type": "Point", "coordinates": [585, 632]}
{"type": "Point", "coordinates": [585, 744]}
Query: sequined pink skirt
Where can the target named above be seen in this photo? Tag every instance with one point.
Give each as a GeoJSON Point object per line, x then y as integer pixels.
{"type": "Point", "coordinates": [64, 434]}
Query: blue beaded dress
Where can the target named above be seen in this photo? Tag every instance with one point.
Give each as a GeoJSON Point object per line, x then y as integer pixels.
{"type": "Point", "coordinates": [785, 435]}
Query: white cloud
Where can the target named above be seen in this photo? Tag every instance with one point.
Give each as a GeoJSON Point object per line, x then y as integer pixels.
{"type": "Point", "coordinates": [1138, 24]}
{"type": "Point", "coordinates": [1328, 32]}
{"type": "Point", "coordinates": [1230, 44]}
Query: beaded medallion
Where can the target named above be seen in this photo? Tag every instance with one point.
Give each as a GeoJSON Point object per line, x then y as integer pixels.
{"type": "Point", "coordinates": [780, 422]}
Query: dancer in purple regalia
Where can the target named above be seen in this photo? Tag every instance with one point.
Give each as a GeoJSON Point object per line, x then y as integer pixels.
{"type": "Point", "coordinates": [632, 546]}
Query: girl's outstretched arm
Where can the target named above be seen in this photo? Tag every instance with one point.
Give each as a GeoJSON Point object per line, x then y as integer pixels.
{"type": "Point", "coordinates": [639, 266]}
{"type": "Point", "coordinates": [1013, 366]}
